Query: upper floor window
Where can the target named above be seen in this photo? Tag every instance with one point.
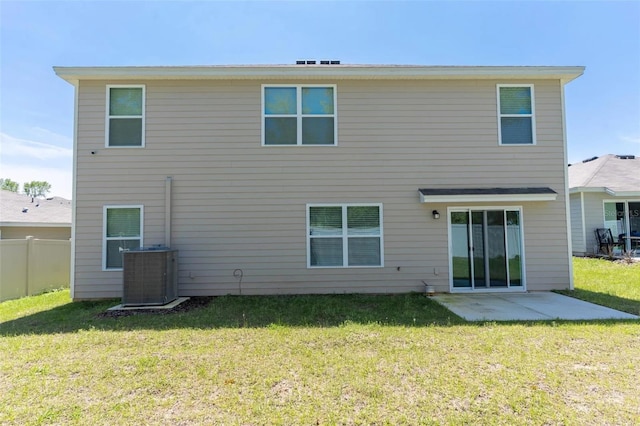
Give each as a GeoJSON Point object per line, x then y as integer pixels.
{"type": "Point", "coordinates": [125, 116]}
{"type": "Point", "coordinates": [516, 114]}
{"type": "Point", "coordinates": [299, 115]}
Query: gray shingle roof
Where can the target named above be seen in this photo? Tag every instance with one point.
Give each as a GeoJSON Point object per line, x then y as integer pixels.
{"type": "Point", "coordinates": [443, 195]}
{"type": "Point", "coordinates": [485, 191]}
{"type": "Point", "coordinates": [608, 172]}
{"type": "Point", "coordinates": [55, 210]}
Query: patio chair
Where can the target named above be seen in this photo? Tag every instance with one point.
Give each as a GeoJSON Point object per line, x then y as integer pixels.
{"type": "Point", "coordinates": [606, 243]}
{"type": "Point", "coordinates": [634, 240]}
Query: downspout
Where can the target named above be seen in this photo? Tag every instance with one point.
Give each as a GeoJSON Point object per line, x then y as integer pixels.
{"type": "Point", "coordinates": [167, 211]}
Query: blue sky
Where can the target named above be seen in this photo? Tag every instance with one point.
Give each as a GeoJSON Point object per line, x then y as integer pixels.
{"type": "Point", "coordinates": [36, 107]}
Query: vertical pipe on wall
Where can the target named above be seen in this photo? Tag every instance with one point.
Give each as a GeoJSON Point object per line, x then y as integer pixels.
{"type": "Point", "coordinates": [167, 211]}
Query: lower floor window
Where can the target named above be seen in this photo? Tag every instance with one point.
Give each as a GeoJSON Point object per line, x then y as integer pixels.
{"type": "Point", "coordinates": [122, 232]}
{"type": "Point", "coordinates": [344, 235]}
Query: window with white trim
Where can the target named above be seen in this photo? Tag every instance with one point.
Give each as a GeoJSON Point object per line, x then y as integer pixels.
{"type": "Point", "coordinates": [299, 115]}
{"type": "Point", "coordinates": [122, 232]}
{"type": "Point", "coordinates": [344, 235]}
{"type": "Point", "coordinates": [125, 116]}
{"type": "Point", "coordinates": [516, 114]}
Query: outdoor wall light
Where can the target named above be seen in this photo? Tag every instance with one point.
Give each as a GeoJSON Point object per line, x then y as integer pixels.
{"type": "Point", "coordinates": [436, 214]}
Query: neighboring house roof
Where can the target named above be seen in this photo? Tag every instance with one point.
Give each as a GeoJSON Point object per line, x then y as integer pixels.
{"type": "Point", "coordinates": [341, 71]}
{"type": "Point", "coordinates": [19, 210]}
{"type": "Point", "coordinates": [617, 175]}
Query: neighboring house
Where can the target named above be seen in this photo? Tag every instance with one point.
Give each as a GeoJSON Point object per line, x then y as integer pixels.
{"type": "Point", "coordinates": [43, 218]}
{"type": "Point", "coordinates": [323, 178]}
{"type": "Point", "coordinates": [604, 193]}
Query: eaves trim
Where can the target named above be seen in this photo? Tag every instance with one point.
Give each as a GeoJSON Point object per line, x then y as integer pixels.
{"type": "Point", "coordinates": [472, 195]}
{"type": "Point", "coordinates": [284, 72]}
{"type": "Point", "coordinates": [609, 191]}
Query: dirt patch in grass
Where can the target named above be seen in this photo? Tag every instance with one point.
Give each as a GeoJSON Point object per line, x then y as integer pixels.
{"type": "Point", "coordinates": [186, 306]}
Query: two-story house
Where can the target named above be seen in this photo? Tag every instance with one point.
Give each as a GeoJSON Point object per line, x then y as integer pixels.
{"type": "Point", "coordinates": [323, 178]}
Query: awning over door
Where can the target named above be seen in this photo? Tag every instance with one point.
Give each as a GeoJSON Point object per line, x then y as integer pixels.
{"type": "Point", "coordinates": [470, 195]}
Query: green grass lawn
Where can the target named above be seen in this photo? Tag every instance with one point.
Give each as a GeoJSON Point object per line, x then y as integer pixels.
{"type": "Point", "coordinates": [314, 360]}
{"type": "Point", "coordinates": [607, 283]}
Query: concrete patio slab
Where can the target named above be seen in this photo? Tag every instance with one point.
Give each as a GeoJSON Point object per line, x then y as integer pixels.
{"type": "Point", "coordinates": [525, 307]}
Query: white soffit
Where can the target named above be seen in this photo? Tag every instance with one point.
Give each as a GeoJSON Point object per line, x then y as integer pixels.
{"type": "Point", "coordinates": [472, 195]}
{"type": "Point", "coordinates": [355, 72]}
{"type": "Point", "coordinates": [610, 191]}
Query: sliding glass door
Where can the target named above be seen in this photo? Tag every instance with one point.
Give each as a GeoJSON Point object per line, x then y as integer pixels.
{"type": "Point", "coordinates": [486, 249]}
{"type": "Point", "coordinates": [623, 218]}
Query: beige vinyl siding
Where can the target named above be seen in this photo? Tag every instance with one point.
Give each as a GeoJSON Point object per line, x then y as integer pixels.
{"type": "Point", "coordinates": [578, 237]}
{"type": "Point", "coordinates": [239, 205]}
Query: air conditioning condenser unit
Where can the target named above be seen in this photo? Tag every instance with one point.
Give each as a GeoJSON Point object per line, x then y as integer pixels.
{"type": "Point", "coordinates": [150, 277]}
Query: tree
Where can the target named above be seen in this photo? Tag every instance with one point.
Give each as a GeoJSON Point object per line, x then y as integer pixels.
{"type": "Point", "coordinates": [37, 188]}
{"type": "Point", "coordinates": [9, 185]}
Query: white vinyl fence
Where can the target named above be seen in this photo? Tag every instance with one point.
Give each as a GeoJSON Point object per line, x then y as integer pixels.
{"type": "Point", "coordinates": [32, 266]}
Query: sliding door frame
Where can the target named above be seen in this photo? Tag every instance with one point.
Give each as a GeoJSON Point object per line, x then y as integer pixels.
{"type": "Point", "coordinates": [509, 287]}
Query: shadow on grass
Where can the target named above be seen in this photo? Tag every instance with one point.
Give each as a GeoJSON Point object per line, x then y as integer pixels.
{"type": "Point", "coordinates": [243, 312]}
{"type": "Point", "coordinates": [630, 306]}
{"type": "Point", "coordinates": [408, 310]}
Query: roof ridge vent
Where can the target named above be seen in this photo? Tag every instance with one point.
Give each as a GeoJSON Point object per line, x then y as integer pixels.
{"type": "Point", "coordinates": [626, 157]}
{"type": "Point", "coordinates": [589, 159]}
{"type": "Point", "coordinates": [322, 62]}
